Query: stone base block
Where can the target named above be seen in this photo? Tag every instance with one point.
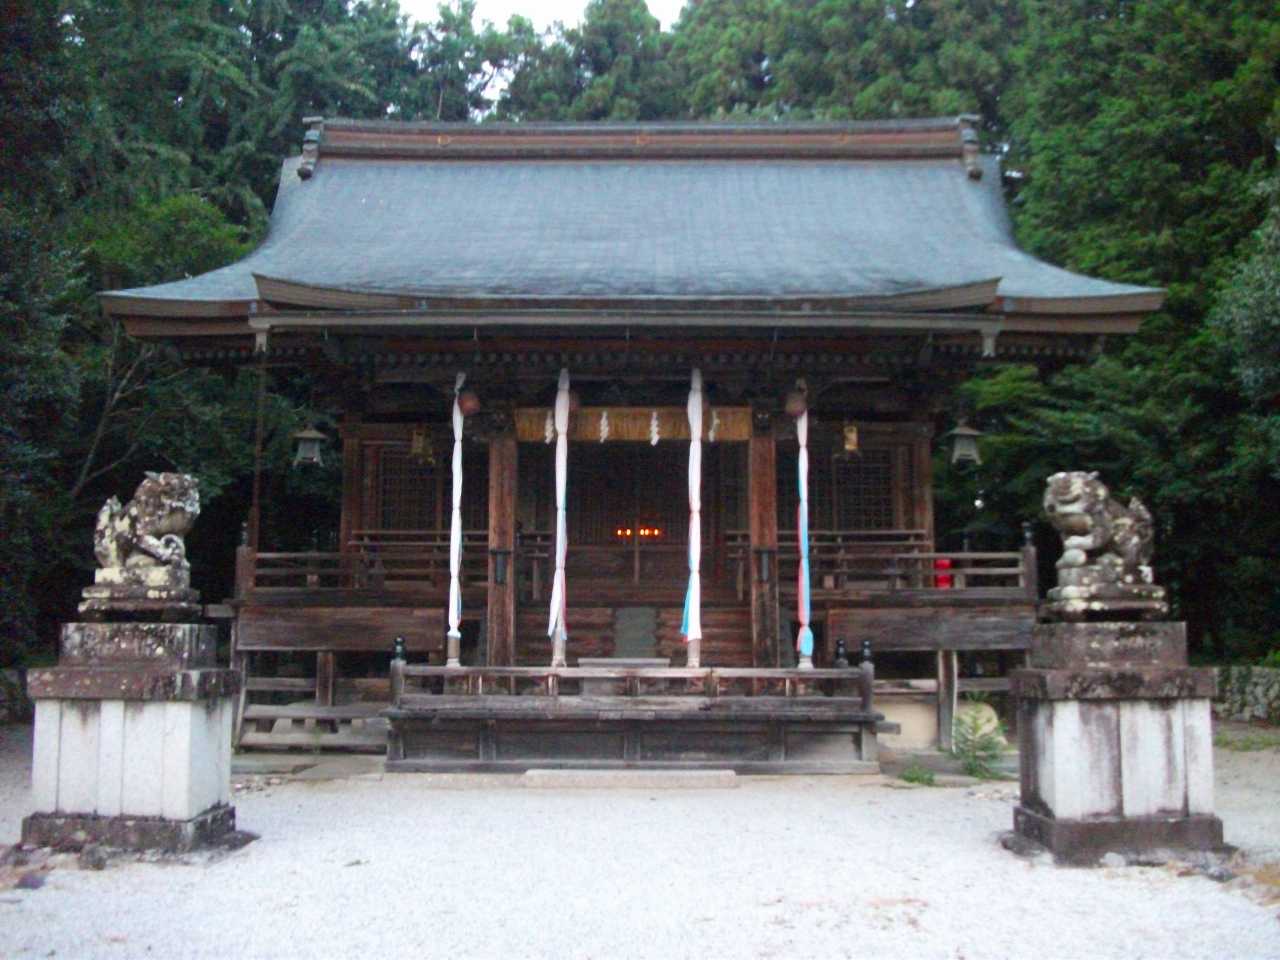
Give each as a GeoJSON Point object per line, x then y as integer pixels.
{"type": "Point", "coordinates": [1108, 646]}
{"type": "Point", "coordinates": [168, 611]}
{"type": "Point", "coordinates": [132, 759]}
{"type": "Point", "coordinates": [1085, 842]}
{"type": "Point", "coordinates": [1097, 760]}
{"type": "Point", "coordinates": [70, 831]}
{"type": "Point", "coordinates": [157, 646]}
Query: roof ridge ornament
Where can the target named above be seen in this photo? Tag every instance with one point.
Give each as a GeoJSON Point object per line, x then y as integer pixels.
{"type": "Point", "coordinates": [310, 146]}
{"type": "Point", "coordinates": [970, 149]}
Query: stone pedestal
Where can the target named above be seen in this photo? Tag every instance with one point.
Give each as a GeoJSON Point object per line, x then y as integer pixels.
{"type": "Point", "coordinates": [132, 739]}
{"type": "Point", "coordinates": [1117, 747]}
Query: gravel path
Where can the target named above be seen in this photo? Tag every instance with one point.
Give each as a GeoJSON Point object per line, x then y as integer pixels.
{"type": "Point", "coordinates": [412, 865]}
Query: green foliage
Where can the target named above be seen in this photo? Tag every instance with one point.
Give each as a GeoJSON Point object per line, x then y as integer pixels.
{"type": "Point", "coordinates": [39, 273]}
{"type": "Point", "coordinates": [613, 67]}
{"type": "Point", "coordinates": [1140, 132]}
{"type": "Point", "coordinates": [1247, 315]}
{"type": "Point", "coordinates": [178, 236]}
{"type": "Point", "coordinates": [915, 772]}
{"type": "Point", "coordinates": [846, 59]}
{"type": "Point", "coordinates": [1141, 129]}
{"type": "Point", "coordinates": [1247, 742]}
{"type": "Point", "coordinates": [977, 744]}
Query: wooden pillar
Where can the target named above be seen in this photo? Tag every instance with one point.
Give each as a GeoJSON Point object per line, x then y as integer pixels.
{"type": "Point", "coordinates": [246, 568]}
{"type": "Point", "coordinates": [922, 494]}
{"type": "Point", "coordinates": [762, 516]}
{"type": "Point", "coordinates": [948, 682]}
{"type": "Point", "coordinates": [260, 347]}
{"type": "Point", "coordinates": [501, 619]}
{"type": "Point", "coordinates": [326, 671]}
{"type": "Point", "coordinates": [352, 482]}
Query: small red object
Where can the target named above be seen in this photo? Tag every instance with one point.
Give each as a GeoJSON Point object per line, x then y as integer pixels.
{"type": "Point", "coordinates": [943, 581]}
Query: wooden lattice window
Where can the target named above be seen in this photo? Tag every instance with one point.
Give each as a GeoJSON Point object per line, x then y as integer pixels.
{"type": "Point", "coordinates": [863, 490]}
{"type": "Point", "coordinates": [788, 480]}
{"type": "Point", "coordinates": [406, 491]}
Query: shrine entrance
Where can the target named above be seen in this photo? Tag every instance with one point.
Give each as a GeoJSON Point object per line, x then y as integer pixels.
{"type": "Point", "coordinates": [628, 514]}
{"type": "Point", "coordinates": [627, 566]}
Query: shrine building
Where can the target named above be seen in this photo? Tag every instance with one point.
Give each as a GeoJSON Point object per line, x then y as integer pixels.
{"type": "Point", "coordinates": [636, 425]}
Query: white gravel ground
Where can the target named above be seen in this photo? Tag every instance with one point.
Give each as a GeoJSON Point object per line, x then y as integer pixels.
{"type": "Point", "coordinates": [415, 866]}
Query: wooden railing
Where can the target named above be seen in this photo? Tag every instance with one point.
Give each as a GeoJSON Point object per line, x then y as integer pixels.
{"type": "Point", "coordinates": [631, 681]}
{"type": "Point", "coordinates": [639, 556]}
{"type": "Point", "coordinates": [840, 562]}
{"type": "Point", "coordinates": [892, 561]}
{"type": "Point", "coordinates": [373, 560]}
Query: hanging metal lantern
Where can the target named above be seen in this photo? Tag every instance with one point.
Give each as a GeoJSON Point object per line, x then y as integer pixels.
{"type": "Point", "coordinates": [420, 447]}
{"type": "Point", "coordinates": [797, 401]}
{"type": "Point", "coordinates": [850, 438]}
{"type": "Point", "coordinates": [310, 446]}
{"type": "Point", "coordinates": [964, 444]}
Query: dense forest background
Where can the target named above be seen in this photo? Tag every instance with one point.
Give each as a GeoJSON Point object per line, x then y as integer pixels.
{"type": "Point", "coordinates": [140, 141]}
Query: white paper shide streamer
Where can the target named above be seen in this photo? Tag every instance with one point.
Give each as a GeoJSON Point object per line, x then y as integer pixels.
{"type": "Point", "coordinates": [692, 622]}
{"type": "Point", "coordinates": [556, 624]}
{"type": "Point", "coordinates": [804, 637]}
{"type": "Point", "coordinates": [455, 529]}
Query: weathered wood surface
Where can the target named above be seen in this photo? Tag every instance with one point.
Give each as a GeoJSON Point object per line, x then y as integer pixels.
{"type": "Point", "coordinates": [698, 681]}
{"type": "Point", "coordinates": [339, 628]}
{"type": "Point", "coordinates": [590, 634]}
{"type": "Point", "coordinates": [750, 735]}
{"type": "Point", "coordinates": [501, 600]}
{"type": "Point", "coordinates": [948, 688]}
{"type": "Point", "coordinates": [308, 711]}
{"type": "Point", "coordinates": [762, 517]}
{"type": "Point", "coordinates": [726, 636]}
{"type": "Point", "coordinates": [949, 627]}
{"type": "Point", "coordinates": [356, 726]}
{"type": "Point", "coordinates": [640, 708]}
{"type": "Point", "coordinates": [326, 669]}
{"type": "Point", "coordinates": [388, 596]}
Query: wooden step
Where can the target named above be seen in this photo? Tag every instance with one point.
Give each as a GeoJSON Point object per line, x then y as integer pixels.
{"type": "Point", "coordinates": [311, 711]}
{"type": "Point", "coordinates": [372, 739]}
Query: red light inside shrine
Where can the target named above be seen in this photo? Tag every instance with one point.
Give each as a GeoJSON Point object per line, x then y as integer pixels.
{"type": "Point", "coordinates": [644, 533]}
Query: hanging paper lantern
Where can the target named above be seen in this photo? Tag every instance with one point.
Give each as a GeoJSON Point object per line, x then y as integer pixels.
{"type": "Point", "coordinates": [468, 403]}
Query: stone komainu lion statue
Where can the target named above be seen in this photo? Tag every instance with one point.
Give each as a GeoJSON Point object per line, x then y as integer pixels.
{"type": "Point", "coordinates": [1098, 531]}
{"type": "Point", "coordinates": [148, 531]}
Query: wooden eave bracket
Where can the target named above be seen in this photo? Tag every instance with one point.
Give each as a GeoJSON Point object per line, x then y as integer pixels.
{"type": "Point", "coordinates": [989, 333]}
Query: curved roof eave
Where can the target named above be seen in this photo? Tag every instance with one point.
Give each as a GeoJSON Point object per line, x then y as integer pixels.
{"type": "Point", "coordinates": [905, 234]}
